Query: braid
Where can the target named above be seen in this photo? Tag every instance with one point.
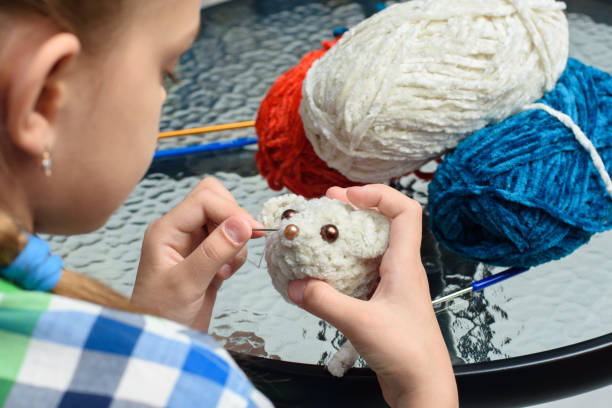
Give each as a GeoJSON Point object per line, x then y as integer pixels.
{"type": "Point", "coordinates": [12, 240]}
{"type": "Point", "coordinates": [71, 284]}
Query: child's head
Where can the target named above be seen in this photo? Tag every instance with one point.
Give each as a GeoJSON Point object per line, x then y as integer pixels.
{"type": "Point", "coordinates": [81, 80]}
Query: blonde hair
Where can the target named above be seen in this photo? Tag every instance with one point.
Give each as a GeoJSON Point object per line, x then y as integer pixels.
{"type": "Point", "coordinates": [86, 19]}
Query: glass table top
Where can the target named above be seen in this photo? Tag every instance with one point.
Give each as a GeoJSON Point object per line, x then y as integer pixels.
{"type": "Point", "coordinates": [243, 47]}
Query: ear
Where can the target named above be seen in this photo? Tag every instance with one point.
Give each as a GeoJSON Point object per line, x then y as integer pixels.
{"type": "Point", "coordinates": [273, 209]}
{"type": "Point", "coordinates": [372, 237]}
{"type": "Point", "coordinates": [35, 93]}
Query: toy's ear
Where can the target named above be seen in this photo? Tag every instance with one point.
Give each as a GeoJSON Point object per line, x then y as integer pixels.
{"type": "Point", "coordinates": [273, 209]}
{"type": "Point", "coordinates": [371, 236]}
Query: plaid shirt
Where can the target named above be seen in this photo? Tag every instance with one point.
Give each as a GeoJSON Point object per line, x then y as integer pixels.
{"type": "Point", "coordinates": [59, 352]}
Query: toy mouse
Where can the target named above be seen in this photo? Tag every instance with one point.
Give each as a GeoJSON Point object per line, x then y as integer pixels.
{"type": "Point", "coordinates": [328, 240]}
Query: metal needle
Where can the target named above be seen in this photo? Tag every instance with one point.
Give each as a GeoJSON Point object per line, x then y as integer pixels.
{"type": "Point", "coordinates": [481, 284]}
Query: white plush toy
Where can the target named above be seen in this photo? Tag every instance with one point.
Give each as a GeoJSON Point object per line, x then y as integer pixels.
{"type": "Point", "coordinates": [329, 240]}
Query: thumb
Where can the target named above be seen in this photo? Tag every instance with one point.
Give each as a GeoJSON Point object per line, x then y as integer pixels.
{"type": "Point", "coordinates": [218, 249]}
{"type": "Point", "coordinates": [322, 300]}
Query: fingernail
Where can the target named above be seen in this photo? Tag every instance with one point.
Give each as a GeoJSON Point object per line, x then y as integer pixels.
{"type": "Point", "coordinates": [225, 271]}
{"type": "Point", "coordinates": [296, 290]}
{"type": "Point", "coordinates": [237, 230]}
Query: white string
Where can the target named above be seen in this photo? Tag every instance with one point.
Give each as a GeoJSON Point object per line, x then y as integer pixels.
{"type": "Point", "coordinates": [581, 138]}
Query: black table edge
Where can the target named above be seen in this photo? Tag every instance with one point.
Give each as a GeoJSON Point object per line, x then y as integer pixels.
{"type": "Point", "coordinates": [511, 382]}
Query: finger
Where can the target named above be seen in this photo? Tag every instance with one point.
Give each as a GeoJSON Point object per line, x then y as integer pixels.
{"type": "Point", "coordinates": [401, 274]}
{"type": "Point", "coordinates": [218, 249]}
{"type": "Point", "coordinates": [337, 193]}
{"type": "Point", "coordinates": [228, 270]}
{"type": "Point", "coordinates": [405, 215]}
{"type": "Point", "coordinates": [206, 206]}
{"type": "Point", "coordinates": [405, 235]}
{"type": "Point", "coordinates": [402, 260]}
{"type": "Point", "coordinates": [389, 201]}
{"type": "Point", "coordinates": [214, 185]}
{"type": "Point", "coordinates": [256, 226]}
{"type": "Point", "coordinates": [320, 299]}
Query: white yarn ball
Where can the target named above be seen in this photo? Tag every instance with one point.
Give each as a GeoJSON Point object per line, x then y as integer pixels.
{"type": "Point", "coordinates": [349, 264]}
{"type": "Point", "coordinates": [412, 81]}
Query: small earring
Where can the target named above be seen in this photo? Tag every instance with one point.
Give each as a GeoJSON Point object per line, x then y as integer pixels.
{"type": "Point", "coordinates": [46, 163]}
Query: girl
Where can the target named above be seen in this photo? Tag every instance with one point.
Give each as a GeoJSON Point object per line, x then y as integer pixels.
{"type": "Point", "coordinates": [80, 98]}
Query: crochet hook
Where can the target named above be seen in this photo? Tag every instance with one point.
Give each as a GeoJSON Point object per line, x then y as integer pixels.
{"type": "Point", "coordinates": [481, 284]}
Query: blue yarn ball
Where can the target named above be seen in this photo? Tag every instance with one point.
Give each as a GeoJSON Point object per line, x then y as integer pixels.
{"type": "Point", "coordinates": [523, 191]}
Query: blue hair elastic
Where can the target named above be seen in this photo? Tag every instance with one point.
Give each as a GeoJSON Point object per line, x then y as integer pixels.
{"type": "Point", "coordinates": [35, 268]}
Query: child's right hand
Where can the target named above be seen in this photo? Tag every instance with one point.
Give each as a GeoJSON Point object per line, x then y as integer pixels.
{"type": "Point", "coordinates": [396, 331]}
{"type": "Point", "coordinates": [190, 251]}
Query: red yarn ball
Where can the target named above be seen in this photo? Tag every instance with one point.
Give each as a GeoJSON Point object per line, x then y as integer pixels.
{"type": "Point", "coordinates": [285, 156]}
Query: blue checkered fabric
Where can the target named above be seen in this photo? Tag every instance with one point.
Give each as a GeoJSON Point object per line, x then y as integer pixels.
{"type": "Point", "coordinates": [59, 352]}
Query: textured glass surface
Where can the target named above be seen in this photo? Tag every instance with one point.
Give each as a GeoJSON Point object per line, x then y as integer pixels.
{"type": "Point", "coordinates": [244, 46]}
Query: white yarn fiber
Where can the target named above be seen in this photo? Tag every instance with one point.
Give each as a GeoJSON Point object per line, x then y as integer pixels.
{"type": "Point", "coordinates": [412, 81]}
{"type": "Point", "coordinates": [349, 264]}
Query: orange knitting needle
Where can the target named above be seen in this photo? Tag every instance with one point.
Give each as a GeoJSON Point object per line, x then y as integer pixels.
{"type": "Point", "coordinates": [207, 129]}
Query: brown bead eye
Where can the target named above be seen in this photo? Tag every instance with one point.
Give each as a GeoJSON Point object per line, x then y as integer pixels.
{"type": "Point", "coordinates": [329, 233]}
{"type": "Point", "coordinates": [291, 232]}
{"type": "Point", "coordinates": [287, 214]}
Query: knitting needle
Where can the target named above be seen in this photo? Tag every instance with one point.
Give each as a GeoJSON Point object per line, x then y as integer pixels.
{"type": "Point", "coordinates": [481, 284]}
{"type": "Point", "coordinates": [205, 148]}
{"type": "Point", "coordinates": [207, 129]}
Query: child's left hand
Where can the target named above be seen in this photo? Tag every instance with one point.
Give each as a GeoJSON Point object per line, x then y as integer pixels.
{"type": "Point", "coordinates": [189, 252]}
